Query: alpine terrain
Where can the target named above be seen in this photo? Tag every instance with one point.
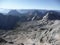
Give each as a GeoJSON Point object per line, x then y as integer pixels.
{"type": "Point", "coordinates": [30, 27]}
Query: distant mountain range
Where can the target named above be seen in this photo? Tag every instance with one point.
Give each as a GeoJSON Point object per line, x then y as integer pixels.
{"type": "Point", "coordinates": [9, 19]}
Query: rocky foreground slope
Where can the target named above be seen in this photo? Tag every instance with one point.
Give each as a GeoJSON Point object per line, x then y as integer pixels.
{"type": "Point", "coordinates": [38, 32]}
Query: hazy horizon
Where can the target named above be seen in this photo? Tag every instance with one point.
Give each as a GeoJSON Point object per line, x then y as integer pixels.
{"type": "Point", "coordinates": [30, 4]}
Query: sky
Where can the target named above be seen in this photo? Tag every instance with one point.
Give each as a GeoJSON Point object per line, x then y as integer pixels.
{"type": "Point", "coordinates": [30, 4]}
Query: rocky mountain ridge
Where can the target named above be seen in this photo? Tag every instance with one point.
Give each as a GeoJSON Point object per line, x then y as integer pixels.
{"type": "Point", "coordinates": [45, 31]}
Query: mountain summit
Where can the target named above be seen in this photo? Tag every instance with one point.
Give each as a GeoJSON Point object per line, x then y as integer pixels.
{"type": "Point", "coordinates": [13, 12]}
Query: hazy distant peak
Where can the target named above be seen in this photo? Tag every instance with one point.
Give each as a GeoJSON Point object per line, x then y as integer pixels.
{"type": "Point", "coordinates": [4, 11]}
{"type": "Point", "coordinates": [13, 12]}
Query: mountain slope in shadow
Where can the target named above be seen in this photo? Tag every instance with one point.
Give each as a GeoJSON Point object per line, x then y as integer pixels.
{"type": "Point", "coordinates": [8, 21]}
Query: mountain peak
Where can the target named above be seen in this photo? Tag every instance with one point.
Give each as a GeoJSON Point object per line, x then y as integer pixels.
{"type": "Point", "coordinates": [14, 12]}
{"type": "Point", "coordinates": [51, 15]}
